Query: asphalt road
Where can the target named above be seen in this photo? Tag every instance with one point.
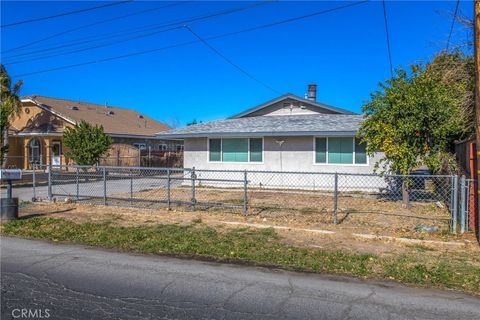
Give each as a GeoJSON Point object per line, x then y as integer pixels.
{"type": "Point", "coordinates": [78, 282]}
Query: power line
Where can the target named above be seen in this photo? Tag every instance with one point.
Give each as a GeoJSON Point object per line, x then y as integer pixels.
{"type": "Point", "coordinates": [121, 33]}
{"type": "Point", "coordinates": [92, 24]}
{"type": "Point", "coordinates": [268, 25]}
{"type": "Point", "coordinates": [236, 66]}
{"type": "Point", "coordinates": [93, 47]}
{"type": "Point", "coordinates": [452, 25]}
{"type": "Point", "coordinates": [388, 38]}
{"type": "Point", "coordinates": [65, 14]}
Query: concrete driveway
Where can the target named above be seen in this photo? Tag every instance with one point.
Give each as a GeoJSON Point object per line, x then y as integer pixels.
{"type": "Point", "coordinates": [78, 282]}
{"type": "Point", "coordinates": [95, 188]}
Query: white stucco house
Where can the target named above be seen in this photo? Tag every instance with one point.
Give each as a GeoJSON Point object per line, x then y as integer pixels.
{"type": "Point", "coordinates": [288, 133]}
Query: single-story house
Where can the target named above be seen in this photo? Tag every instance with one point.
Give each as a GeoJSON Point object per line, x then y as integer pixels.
{"type": "Point", "coordinates": [288, 133]}
{"type": "Point", "coordinates": [36, 134]}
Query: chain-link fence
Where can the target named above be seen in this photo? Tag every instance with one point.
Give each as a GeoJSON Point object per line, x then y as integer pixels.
{"type": "Point", "coordinates": [145, 158]}
{"type": "Point", "coordinates": [435, 202]}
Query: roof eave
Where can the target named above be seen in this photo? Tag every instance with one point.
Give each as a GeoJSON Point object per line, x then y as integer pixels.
{"type": "Point", "coordinates": [258, 134]}
{"type": "Point", "coordinates": [135, 136]}
{"type": "Point", "coordinates": [49, 109]}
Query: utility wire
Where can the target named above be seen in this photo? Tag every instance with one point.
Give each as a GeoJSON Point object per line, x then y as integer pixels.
{"type": "Point", "coordinates": [122, 33]}
{"type": "Point", "coordinates": [65, 14]}
{"type": "Point", "coordinates": [388, 38]}
{"type": "Point", "coordinates": [452, 25]}
{"type": "Point", "coordinates": [268, 25]}
{"type": "Point", "coordinates": [93, 47]}
{"type": "Point", "coordinates": [127, 31]}
{"type": "Point", "coordinates": [236, 66]}
{"type": "Point", "coordinates": [55, 35]}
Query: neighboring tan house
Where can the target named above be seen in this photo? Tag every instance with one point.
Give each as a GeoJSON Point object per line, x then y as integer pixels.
{"type": "Point", "coordinates": [36, 134]}
{"type": "Point", "coordinates": [288, 133]}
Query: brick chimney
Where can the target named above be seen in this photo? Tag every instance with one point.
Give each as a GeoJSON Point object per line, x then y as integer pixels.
{"type": "Point", "coordinates": [312, 92]}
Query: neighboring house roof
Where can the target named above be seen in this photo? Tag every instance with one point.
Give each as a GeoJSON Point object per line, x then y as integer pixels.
{"type": "Point", "coordinates": [293, 97]}
{"type": "Point", "coordinates": [115, 121]}
{"type": "Point", "coordinates": [44, 128]}
{"type": "Point", "coordinates": [294, 125]}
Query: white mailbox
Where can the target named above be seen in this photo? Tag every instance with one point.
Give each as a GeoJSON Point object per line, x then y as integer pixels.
{"type": "Point", "coordinates": [10, 174]}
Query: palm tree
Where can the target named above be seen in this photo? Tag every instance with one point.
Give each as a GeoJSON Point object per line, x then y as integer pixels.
{"type": "Point", "coordinates": [10, 107]}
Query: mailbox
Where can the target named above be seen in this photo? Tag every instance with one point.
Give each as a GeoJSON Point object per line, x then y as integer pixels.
{"type": "Point", "coordinates": [9, 205]}
{"type": "Point", "coordinates": [10, 174]}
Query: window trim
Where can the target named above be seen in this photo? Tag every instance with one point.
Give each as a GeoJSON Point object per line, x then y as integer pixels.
{"type": "Point", "coordinates": [338, 164]}
{"type": "Point", "coordinates": [236, 162]}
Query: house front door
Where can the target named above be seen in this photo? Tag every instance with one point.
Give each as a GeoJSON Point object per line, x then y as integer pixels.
{"type": "Point", "coordinates": [56, 153]}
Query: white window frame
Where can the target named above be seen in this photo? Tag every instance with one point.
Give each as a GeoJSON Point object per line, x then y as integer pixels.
{"type": "Point", "coordinates": [337, 164]}
{"type": "Point", "coordinates": [236, 162]}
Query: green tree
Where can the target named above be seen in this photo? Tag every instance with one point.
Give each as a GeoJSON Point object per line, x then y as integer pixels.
{"type": "Point", "coordinates": [416, 116]}
{"type": "Point", "coordinates": [10, 106]}
{"type": "Point", "coordinates": [86, 143]}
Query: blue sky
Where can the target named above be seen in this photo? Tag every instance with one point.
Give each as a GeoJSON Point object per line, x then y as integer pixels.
{"type": "Point", "coordinates": [343, 52]}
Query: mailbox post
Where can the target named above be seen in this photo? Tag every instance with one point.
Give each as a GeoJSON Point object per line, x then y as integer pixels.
{"type": "Point", "coordinates": [9, 205]}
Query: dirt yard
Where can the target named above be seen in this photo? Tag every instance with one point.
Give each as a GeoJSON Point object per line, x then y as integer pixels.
{"type": "Point", "coordinates": [305, 230]}
{"type": "Point", "coordinates": [309, 209]}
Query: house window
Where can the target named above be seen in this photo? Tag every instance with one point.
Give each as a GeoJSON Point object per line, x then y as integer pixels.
{"type": "Point", "coordinates": [321, 150]}
{"type": "Point", "coordinates": [256, 150]}
{"type": "Point", "coordinates": [215, 150]}
{"type": "Point", "coordinates": [141, 146]}
{"type": "Point", "coordinates": [360, 152]}
{"type": "Point", "coordinates": [236, 150]}
{"type": "Point", "coordinates": [340, 150]}
{"type": "Point", "coordinates": [162, 147]}
{"type": "Point", "coordinates": [34, 150]}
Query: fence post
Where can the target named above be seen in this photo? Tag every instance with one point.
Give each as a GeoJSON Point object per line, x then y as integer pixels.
{"type": "Point", "coordinates": [131, 186]}
{"type": "Point", "coordinates": [463, 190]}
{"type": "Point", "coordinates": [168, 189]}
{"type": "Point", "coordinates": [245, 193]}
{"type": "Point", "coordinates": [104, 186]}
{"type": "Point", "coordinates": [454, 203]}
{"type": "Point", "coordinates": [193, 188]}
{"type": "Point", "coordinates": [50, 182]}
{"type": "Point", "coordinates": [78, 184]}
{"type": "Point", "coordinates": [335, 198]}
{"type": "Point", "coordinates": [34, 182]}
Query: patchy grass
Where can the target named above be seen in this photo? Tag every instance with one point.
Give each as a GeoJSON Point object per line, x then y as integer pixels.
{"type": "Point", "coordinates": [261, 247]}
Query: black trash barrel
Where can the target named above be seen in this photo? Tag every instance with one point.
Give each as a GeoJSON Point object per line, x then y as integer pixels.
{"type": "Point", "coordinates": [9, 209]}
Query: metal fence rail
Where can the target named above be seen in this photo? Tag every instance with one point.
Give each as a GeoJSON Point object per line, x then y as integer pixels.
{"type": "Point", "coordinates": [382, 201]}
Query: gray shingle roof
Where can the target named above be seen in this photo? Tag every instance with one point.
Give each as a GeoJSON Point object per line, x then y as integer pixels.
{"type": "Point", "coordinates": [294, 125]}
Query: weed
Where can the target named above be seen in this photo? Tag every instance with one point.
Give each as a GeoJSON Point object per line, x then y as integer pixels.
{"type": "Point", "coordinates": [197, 220]}
{"type": "Point", "coordinates": [262, 247]}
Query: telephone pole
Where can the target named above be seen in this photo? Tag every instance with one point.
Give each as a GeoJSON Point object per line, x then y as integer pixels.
{"type": "Point", "coordinates": [476, 44]}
